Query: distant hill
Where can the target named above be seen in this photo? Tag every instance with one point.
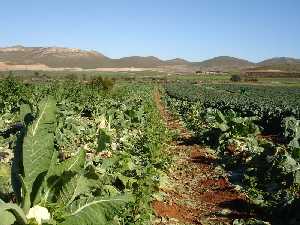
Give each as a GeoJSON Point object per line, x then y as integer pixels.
{"type": "Point", "coordinates": [138, 61]}
{"type": "Point", "coordinates": [224, 63]}
{"type": "Point", "coordinates": [75, 58]}
{"type": "Point", "coordinates": [58, 57]}
{"type": "Point", "coordinates": [178, 61]}
{"type": "Point", "coordinates": [280, 63]}
{"type": "Point", "coordinates": [53, 57]}
{"type": "Point", "coordinates": [279, 60]}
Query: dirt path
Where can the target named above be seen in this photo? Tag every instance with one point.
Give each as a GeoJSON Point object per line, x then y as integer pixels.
{"type": "Point", "coordinates": [200, 192]}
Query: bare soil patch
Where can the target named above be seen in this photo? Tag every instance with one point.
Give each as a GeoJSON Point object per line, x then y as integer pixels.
{"type": "Point", "coordinates": [200, 192]}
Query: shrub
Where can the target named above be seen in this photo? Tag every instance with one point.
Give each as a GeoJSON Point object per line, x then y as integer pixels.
{"type": "Point", "coordinates": [235, 78]}
{"type": "Point", "coordinates": [105, 83]}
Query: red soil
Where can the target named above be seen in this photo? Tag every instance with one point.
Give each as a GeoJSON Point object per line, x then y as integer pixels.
{"type": "Point", "coordinates": [200, 193]}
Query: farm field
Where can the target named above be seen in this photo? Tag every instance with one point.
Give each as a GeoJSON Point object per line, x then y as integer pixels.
{"type": "Point", "coordinates": [142, 77]}
{"type": "Point", "coordinates": [88, 156]}
{"type": "Point", "coordinates": [254, 131]}
{"type": "Point", "coordinates": [182, 151]}
{"type": "Point", "coordinates": [150, 112]}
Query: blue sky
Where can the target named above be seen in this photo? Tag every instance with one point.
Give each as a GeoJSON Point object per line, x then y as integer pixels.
{"type": "Point", "coordinates": [191, 29]}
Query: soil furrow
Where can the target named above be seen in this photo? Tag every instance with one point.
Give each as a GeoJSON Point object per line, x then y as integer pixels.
{"type": "Point", "coordinates": [199, 190]}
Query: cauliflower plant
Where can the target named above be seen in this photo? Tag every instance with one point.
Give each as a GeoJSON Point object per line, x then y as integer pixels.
{"type": "Point", "coordinates": [39, 214]}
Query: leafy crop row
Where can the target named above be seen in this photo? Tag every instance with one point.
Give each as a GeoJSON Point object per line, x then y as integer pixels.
{"type": "Point", "coordinates": [78, 154]}
{"type": "Point", "coordinates": [256, 132]}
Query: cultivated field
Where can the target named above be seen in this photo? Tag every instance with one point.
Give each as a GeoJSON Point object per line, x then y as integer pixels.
{"type": "Point", "coordinates": [148, 148]}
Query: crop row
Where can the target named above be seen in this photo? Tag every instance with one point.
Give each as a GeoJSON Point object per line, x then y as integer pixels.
{"type": "Point", "coordinates": [256, 133]}
{"type": "Point", "coordinates": [269, 104]}
{"type": "Point", "coordinates": [78, 154]}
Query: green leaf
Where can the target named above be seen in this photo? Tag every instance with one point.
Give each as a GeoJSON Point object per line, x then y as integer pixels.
{"type": "Point", "coordinates": [7, 218]}
{"type": "Point", "coordinates": [38, 145]}
{"type": "Point", "coordinates": [220, 117]}
{"type": "Point", "coordinates": [287, 164]}
{"type": "Point", "coordinates": [73, 164]}
{"type": "Point", "coordinates": [76, 186]}
{"type": "Point", "coordinates": [25, 197]}
{"type": "Point", "coordinates": [222, 126]}
{"type": "Point", "coordinates": [57, 171]}
{"type": "Point", "coordinates": [292, 131]}
{"type": "Point", "coordinates": [296, 154]}
{"type": "Point", "coordinates": [25, 112]}
{"type": "Point", "coordinates": [93, 211]}
{"type": "Point", "coordinates": [104, 138]}
{"type": "Point", "coordinates": [9, 213]}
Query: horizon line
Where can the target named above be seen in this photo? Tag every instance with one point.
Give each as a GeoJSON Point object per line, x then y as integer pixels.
{"type": "Point", "coordinates": [147, 56]}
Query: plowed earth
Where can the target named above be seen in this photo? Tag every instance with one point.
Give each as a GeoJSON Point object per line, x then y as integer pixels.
{"type": "Point", "coordinates": [199, 191]}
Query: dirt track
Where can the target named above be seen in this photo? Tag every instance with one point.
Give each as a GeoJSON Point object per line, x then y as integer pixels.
{"type": "Point", "coordinates": [43, 67]}
{"type": "Point", "coordinates": [200, 192]}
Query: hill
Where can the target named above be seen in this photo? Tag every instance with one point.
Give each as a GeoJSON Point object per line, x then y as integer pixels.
{"type": "Point", "coordinates": [52, 56]}
{"type": "Point", "coordinates": [178, 61]}
{"type": "Point", "coordinates": [138, 61]}
{"type": "Point", "coordinates": [224, 63]}
{"type": "Point", "coordinates": [280, 63]}
{"type": "Point", "coordinates": [279, 60]}
{"type": "Point", "coordinates": [58, 57]}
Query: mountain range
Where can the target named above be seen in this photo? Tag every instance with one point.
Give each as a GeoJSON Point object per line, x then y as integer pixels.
{"type": "Point", "coordinates": [58, 57]}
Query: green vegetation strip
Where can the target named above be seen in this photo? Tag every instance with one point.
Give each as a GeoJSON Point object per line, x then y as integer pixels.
{"type": "Point", "coordinates": [79, 154]}
{"type": "Point", "coordinates": [256, 132]}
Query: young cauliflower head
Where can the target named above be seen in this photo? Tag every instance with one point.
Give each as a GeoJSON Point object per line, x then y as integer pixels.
{"type": "Point", "coordinates": [39, 213]}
